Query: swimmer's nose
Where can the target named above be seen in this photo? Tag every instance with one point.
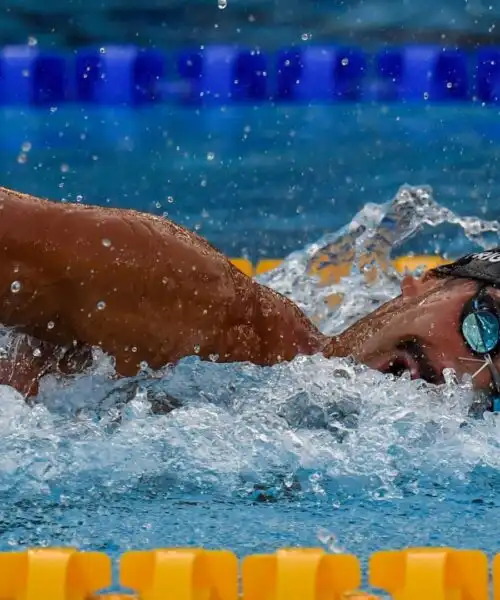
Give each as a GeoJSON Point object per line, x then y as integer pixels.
{"type": "Point", "coordinates": [415, 286]}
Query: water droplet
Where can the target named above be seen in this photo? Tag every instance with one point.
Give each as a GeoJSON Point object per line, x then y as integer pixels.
{"type": "Point", "coordinates": [26, 147]}
{"type": "Point", "coordinates": [37, 352]}
{"type": "Point", "coordinates": [210, 155]}
{"type": "Point", "coordinates": [32, 41]}
{"type": "Point", "coordinates": [15, 287]}
{"type": "Point", "coordinates": [101, 305]}
{"type": "Point", "coordinates": [106, 242]}
{"type": "Point", "coordinates": [222, 4]}
{"type": "Point", "coordinates": [197, 349]}
{"type": "Point", "coordinates": [22, 158]}
{"type": "Point", "coordinates": [51, 325]}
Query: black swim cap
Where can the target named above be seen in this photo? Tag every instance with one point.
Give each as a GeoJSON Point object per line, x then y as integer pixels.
{"type": "Point", "coordinates": [483, 266]}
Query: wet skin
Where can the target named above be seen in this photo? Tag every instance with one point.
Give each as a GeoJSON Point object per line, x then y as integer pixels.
{"type": "Point", "coordinates": [147, 290]}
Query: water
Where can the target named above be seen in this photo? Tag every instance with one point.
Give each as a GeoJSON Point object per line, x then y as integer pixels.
{"type": "Point", "coordinates": [313, 452]}
{"type": "Point", "coordinates": [261, 181]}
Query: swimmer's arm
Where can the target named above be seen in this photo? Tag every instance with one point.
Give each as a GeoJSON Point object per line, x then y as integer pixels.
{"type": "Point", "coordinates": [140, 287]}
{"type": "Point", "coordinates": [55, 268]}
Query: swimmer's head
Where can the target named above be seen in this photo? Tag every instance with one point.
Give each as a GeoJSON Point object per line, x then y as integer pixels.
{"type": "Point", "coordinates": [449, 318]}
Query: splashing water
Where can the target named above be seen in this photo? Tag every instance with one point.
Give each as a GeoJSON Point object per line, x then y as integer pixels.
{"type": "Point", "coordinates": [311, 452]}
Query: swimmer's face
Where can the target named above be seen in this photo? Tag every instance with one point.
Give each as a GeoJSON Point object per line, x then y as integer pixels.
{"type": "Point", "coordinates": [419, 331]}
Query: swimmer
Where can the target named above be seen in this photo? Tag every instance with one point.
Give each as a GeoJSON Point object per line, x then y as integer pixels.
{"type": "Point", "coordinates": [148, 291]}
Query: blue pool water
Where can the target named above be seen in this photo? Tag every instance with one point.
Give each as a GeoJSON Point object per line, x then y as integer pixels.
{"type": "Point", "coordinates": [313, 452]}
{"type": "Point", "coordinates": [261, 181]}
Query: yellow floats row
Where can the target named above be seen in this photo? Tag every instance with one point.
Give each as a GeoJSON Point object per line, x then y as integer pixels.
{"type": "Point", "coordinates": [333, 272]}
{"type": "Point", "coordinates": [289, 574]}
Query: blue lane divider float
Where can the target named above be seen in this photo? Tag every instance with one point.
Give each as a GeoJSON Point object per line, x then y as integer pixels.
{"type": "Point", "coordinates": [28, 76]}
{"type": "Point", "coordinates": [130, 76]}
{"type": "Point", "coordinates": [217, 74]}
{"type": "Point", "coordinates": [316, 73]}
{"type": "Point", "coordinates": [118, 75]}
{"type": "Point", "coordinates": [422, 73]}
{"type": "Point", "coordinates": [488, 75]}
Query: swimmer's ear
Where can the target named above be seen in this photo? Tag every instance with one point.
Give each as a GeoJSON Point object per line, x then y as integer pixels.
{"type": "Point", "coordinates": [414, 286]}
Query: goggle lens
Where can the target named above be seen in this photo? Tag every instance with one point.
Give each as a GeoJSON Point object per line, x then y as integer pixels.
{"type": "Point", "coordinates": [481, 331]}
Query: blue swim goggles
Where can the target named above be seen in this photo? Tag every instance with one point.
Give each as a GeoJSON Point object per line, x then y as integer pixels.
{"type": "Point", "coordinates": [480, 328]}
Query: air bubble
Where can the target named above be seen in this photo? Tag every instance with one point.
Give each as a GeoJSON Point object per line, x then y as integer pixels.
{"type": "Point", "coordinates": [197, 348]}
{"type": "Point", "coordinates": [170, 199]}
{"type": "Point", "coordinates": [51, 325]}
{"type": "Point", "coordinates": [106, 242]}
{"type": "Point", "coordinates": [64, 168]}
{"type": "Point", "coordinates": [101, 305]}
{"type": "Point", "coordinates": [32, 41]}
{"type": "Point", "coordinates": [22, 158]}
{"type": "Point", "coordinates": [79, 198]}
{"type": "Point", "coordinates": [344, 62]}
{"type": "Point", "coordinates": [15, 287]}
{"type": "Point", "coordinates": [210, 155]}
{"type": "Point", "coordinates": [37, 352]}
{"type": "Point", "coordinates": [222, 4]}
{"type": "Point", "coordinates": [26, 147]}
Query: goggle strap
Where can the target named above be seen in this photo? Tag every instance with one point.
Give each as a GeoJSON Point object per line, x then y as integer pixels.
{"type": "Point", "coordinates": [484, 366]}
{"type": "Point", "coordinates": [494, 373]}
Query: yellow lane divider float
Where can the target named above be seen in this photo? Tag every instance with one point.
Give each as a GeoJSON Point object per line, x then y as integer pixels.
{"type": "Point", "coordinates": [330, 273]}
{"type": "Point", "coordinates": [289, 574]}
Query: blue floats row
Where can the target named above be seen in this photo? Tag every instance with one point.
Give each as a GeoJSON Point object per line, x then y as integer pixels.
{"type": "Point", "coordinates": [126, 75]}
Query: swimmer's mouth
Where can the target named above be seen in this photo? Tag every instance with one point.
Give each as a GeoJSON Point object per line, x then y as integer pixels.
{"type": "Point", "coordinates": [410, 356]}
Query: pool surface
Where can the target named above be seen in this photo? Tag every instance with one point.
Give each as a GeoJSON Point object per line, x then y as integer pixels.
{"type": "Point", "coordinates": [314, 452]}
{"type": "Point", "coordinates": [256, 181]}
